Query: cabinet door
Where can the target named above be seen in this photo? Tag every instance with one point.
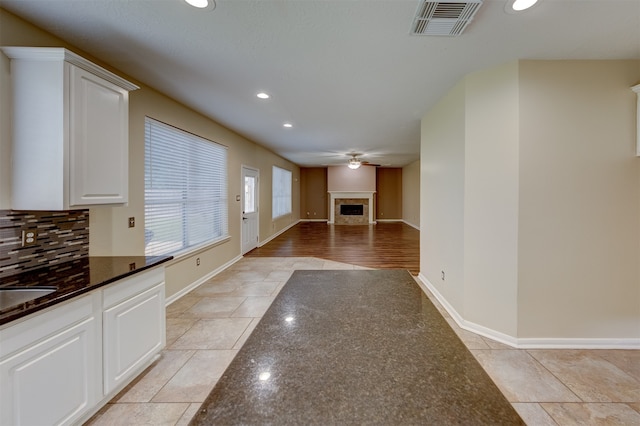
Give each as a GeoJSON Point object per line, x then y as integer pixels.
{"type": "Point", "coordinates": [133, 333]}
{"type": "Point", "coordinates": [99, 131]}
{"type": "Point", "coordinates": [51, 382]}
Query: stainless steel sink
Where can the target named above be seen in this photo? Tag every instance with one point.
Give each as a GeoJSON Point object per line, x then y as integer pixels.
{"type": "Point", "coordinates": [12, 296]}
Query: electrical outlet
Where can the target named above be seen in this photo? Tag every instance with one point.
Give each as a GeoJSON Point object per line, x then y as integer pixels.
{"type": "Point", "coordinates": [29, 237]}
{"type": "Point", "coordinates": [132, 222]}
{"type": "Point", "coordinates": [197, 261]}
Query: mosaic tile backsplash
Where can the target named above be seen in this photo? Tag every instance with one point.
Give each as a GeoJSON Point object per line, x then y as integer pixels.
{"type": "Point", "coordinates": [61, 236]}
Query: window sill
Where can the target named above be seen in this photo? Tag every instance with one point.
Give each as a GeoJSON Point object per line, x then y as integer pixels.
{"type": "Point", "coordinates": [281, 216]}
{"type": "Point", "coordinates": [192, 251]}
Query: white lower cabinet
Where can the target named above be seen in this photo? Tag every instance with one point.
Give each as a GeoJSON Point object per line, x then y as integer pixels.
{"type": "Point", "coordinates": [133, 328]}
{"type": "Point", "coordinates": [60, 366]}
{"type": "Point", "coordinates": [50, 371]}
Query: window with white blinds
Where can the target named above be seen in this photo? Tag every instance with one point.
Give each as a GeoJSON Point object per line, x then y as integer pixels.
{"type": "Point", "coordinates": [185, 190]}
{"type": "Point", "coordinates": [281, 192]}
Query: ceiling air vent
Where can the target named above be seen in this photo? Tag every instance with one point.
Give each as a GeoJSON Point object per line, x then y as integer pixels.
{"type": "Point", "coordinates": [444, 18]}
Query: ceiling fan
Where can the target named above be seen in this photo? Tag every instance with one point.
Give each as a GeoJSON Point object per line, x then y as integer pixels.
{"type": "Point", "coordinates": [355, 162]}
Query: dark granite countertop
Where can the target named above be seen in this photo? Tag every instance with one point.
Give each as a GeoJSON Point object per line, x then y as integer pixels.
{"type": "Point", "coordinates": [354, 348]}
{"type": "Point", "coordinates": [71, 279]}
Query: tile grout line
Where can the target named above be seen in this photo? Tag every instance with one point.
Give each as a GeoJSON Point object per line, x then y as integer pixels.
{"type": "Point", "coordinates": [174, 374]}
{"type": "Point", "coordinates": [557, 378]}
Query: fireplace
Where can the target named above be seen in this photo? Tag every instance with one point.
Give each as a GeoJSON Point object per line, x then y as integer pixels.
{"type": "Point", "coordinates": [351, 208]}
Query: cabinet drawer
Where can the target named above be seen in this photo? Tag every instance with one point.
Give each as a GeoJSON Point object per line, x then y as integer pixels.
{"type": "Point", "coordinates": [40, 325]}
{"type": "Point", "coordinates": [129, 287]}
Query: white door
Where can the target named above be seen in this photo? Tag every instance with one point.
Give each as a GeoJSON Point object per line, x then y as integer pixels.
{"type": "Point", "coordinates": [250, 185]}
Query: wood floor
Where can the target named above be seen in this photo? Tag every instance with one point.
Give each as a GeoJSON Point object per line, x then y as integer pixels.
{"type": "Point", "coordinates": [387, 245]}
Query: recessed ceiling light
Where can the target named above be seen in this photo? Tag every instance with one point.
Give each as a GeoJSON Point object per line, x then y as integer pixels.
{"type": "Point", "coordinates": [519, 5]}
{"type": "Point", "coordinates": [263, 95]}
{"type": "Point", "coordinates": [202, 4]}
{"type": "Point", "coordinates": [287, 125]}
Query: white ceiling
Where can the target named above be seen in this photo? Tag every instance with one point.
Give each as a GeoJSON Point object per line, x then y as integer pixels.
{"type": "Point", "coordinates": [346, 73]}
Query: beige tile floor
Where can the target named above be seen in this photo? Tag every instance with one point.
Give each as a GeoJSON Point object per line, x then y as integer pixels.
{"type": "Point", "coordinates": [206, 328]}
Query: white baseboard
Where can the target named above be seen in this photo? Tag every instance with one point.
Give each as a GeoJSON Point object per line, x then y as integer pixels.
{"type": "Point", "coordinates": [314, 220]}
{"type": "Point", "coordinates": [461, 322]}
{"type": "Point", "coordinates": [200, 281]}
{"type": "Point", "coordinates": [282, 231]}
{"type": "Point", "coordinates": [578, 343]}
{"type": "Point", "coordinates": [528, 343]}
{"type": "Point", "coordinates": [399, 220]}
{"type": "Point", "coordinates": [411, 225]}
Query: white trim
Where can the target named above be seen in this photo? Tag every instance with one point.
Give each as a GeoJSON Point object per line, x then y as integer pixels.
{"type": "Point", "coordinates": [461, 322]}
{"type": "Point", "coordinates": [261, 243]}
{"type": "Point", "coordinates": [578, 343]}
{"type": "Point", "coordinates": [399, 220]}
{"type": "Point", "coordinates": [62, 54]}
{"type": "Point", "coordinates": [313, 220]}
{"type": "Point", "coordinates": [200, 281]}
{"type": "Point", "coordinates": [411, 224]}
{"type": "Point", "coordinates": [527, 343]}
{"type": "Point", "coordinates": [192, 251]}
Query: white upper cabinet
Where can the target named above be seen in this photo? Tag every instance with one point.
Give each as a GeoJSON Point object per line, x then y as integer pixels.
{"type": "Point", "coordinates": [70, 131]}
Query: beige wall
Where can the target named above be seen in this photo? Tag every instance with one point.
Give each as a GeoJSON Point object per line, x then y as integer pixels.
{"type": "Point", "coordinates": [579, 231]}
{"type": "Point", "coordinates": [108, 226]}
{"type": "Point", "coordinates": [313, 193]}
{"type": "Point", "coordinates": [442, 197]}
{"type": "Point", "coordinates": [491, 198]}
{"type": "Point", "coordinates": [530, 195]}
{"type": "Point", "coordinates": [389, 193]}
{"type": "Point", "coordinates": [342, 178]}
{"type": "Point", "coordinates": [411, 194]}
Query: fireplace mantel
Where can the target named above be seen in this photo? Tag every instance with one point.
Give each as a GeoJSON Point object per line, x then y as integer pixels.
{"type": "Point", "coordinates": [335, 195]}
